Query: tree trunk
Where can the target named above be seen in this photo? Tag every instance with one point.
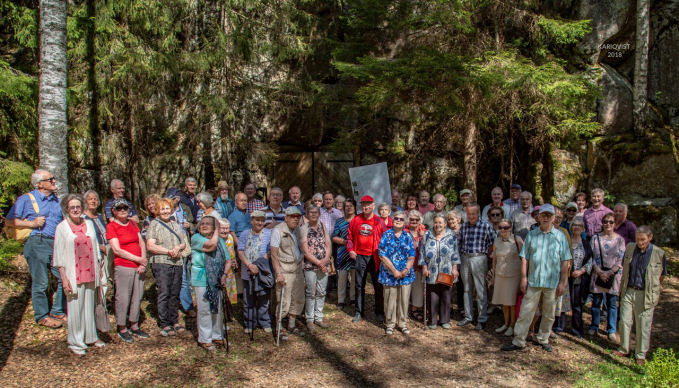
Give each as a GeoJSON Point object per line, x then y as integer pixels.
{"type": "Point", "coordinates": [470, 167]}
{"type": "Point", "coordinates": [52, 125]}
{"type": "Point", "coordinates": [641, 69]}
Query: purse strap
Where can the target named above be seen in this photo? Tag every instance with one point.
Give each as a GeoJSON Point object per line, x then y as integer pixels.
{"type": "Point", "coordinates": [171, 231]}
{"type": "Point", "coordinates": [601, 252]}
{"type": "Point", "coordinates": [516, 242]}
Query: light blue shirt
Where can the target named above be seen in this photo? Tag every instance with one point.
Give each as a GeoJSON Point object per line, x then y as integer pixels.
{"type": "Point", "coordinates": [240, 221]}
{"type": "Point", "coordinates": [545, 251]}
{"type": "Point", "coordinates": [48, 206]}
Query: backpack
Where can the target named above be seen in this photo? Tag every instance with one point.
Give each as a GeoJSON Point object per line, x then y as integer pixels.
{"type": "Point", "coordinates": [22, 234]}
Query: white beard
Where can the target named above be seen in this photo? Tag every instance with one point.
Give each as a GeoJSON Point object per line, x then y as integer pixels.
{"type": "Point", "coordinates": [224, 197]}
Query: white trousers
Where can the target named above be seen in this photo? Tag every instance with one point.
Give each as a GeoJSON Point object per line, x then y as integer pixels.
{"type": "Point", "coordinates": [210, 326]}
{"type": "Point", "coordinates": [82, 329]}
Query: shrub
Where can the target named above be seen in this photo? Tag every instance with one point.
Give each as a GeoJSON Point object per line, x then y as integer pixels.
{"type": "Point", "coordinates": [663, 370]}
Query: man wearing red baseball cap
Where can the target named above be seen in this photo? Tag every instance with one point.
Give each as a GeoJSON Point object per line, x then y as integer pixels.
{"type": "Point", "coordinates": [365, 232]}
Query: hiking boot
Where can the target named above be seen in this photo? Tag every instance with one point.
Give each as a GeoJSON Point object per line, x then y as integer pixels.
{"type": "Point", "coordinates": [322, 324]}
{"type": "Point", "coordinates": [311, 327]}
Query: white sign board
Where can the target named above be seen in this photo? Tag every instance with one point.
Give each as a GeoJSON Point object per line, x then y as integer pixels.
{"type": "Point", "coordinates": [372, 180]}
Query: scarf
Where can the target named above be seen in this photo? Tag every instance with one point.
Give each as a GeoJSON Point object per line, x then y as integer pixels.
{"type": "Point", "coordinates": [214, 269]}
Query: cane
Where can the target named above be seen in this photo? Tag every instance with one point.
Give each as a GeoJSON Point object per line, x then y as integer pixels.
{"type": "Point", "coordinates": [254, 301]}
{"type": "Point", "coordinates": [424, 285]}
{"type": "Point", "coordinates": [226, 316]}
{"type": "Point", "coordinates": [280, 316]}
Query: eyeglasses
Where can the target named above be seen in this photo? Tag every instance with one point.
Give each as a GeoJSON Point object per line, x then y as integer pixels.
{"type": "Point", "coordinates": [51, 180]}
{"type": "Point", "coordinates": [72, 208]}
{"type": "Point", "coordinates": [495, 214]}
{"type": "Point", "coordinates": [609, 222]}
{"type": "Point", "coordinates": [504, 227]}
{"type": "Point", "coordinates": [578, 226]}
{"type": "Point", "coordinates": [399, 219]}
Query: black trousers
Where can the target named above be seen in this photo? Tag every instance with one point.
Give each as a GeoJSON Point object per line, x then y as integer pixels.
{"type": "Point", "coordinates": [366, 265]}
{"type": "Point", "coordinates": [579, 294]}
{"type": "Point", "coordinates": [440, 298]}
{"type": "Point", "coordinates": [169, 282]}
{"type": "Point", "coordinates": [459, 290]}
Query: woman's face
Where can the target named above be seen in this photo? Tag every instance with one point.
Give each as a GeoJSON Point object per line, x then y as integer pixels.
{"type": "Point", "coordinates": [313, 215]}
{"type": "Point", "coordinates": [339, 204]}
{"type": "Point", "coordinates": [453, 223]}
{"type": "Point", "coordinates": [399, 222]}
{"type": "Point", "coordinates": [608, 223]}
{"type": "Point", "coordinates": [384, 212]}
{"type": "Point", "coordinates": [439, 225]}
{"type": "Point", "coordinates": [207, 226]}
{"type": "Point", "coordinates": [581, 202]}
{"type": "Point", "coordinates": [165, 212]}
{"type": "Point", "coordinates": [318, 201]}
{"type": "Point", "coordinates": [414, 223]}
{"type": "Point", "coordinates": [257, 224]}
{"type": "Point", "coordinates": [224, 231]}
{"type": "Point", "coordinates": [121, 213]}
{"type": "Point", "coordinates": [577, 229]}
{"type": "Point", "coordinates": [74, 210]}
{"type": "Point", "coordinates": [349, 209]}
{"type": "Point", "coordinates": [202, 205]}
{"type": "Point", "coordinates": [92, 202]}
{"type": "Point", "coordinates": [151, 207]}
{"type": "Point", "coordinates": [505, 229]}
{"type": "Point", "coordinates": [411, 203]}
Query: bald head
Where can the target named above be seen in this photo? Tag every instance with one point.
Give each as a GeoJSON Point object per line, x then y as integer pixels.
{"type": "Point", "coordinates": [241, 201]}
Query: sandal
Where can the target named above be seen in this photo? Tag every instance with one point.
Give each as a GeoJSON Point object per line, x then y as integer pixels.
{"type": "Point", "coordinates": [60, 318]}
{"type": "Point", "coordinates": [179, 329]}
{"type": "Point", "coordinates": [209, 347]}
{"type": "Point", "coordinates": [49, 322]}
{"type": "Point", "coordinates": [417, 315]}
{"type": "Point", "coordinates": [168, 332]}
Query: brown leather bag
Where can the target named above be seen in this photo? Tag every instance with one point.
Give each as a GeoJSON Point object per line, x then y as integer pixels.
{"type": "Point", "coordinates": [445, 279]}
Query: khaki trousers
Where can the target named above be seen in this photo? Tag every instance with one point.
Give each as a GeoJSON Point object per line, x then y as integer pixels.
{"type": "Point", "coordinates": [632, 308]}
{"type": "Point", "coordinates": [342, 279]}
{"type": "Point", "coordinates": [529, 307]}
{"type": "Point", "coordinates": [293, 302]}
{"type": "Point", "coordinates": [396, 300]}
{"type": "Point", "coordinates": [129, 292]}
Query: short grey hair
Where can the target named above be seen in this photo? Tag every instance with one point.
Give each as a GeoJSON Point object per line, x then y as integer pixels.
{"type": "Point", "coordinates": [276, 189]}
{"type": "Point", "coordinates": [598, 191]}
{"type": "Point", "coordinates": [497, 188]}
{"type": "Point", "coordinates": [114, 182]}
{"type": "Point", "coordinates": [340, 197]}
{"type": "Point", "coordinates": [294, 187]}
{"type": "Point", "coordinates": [456, 214]}
{"type": "Point", "coordinates": [441, 216]}
{"type": "Point", "coordinates": [63, 201]}
{"type": "Point", "coordinates": [645, 229]}
{"type": "Point", "coordinates": [399, 213]}
{"type": "Point", "coordinates": [37, 176]}
{"type": "Point", "coordinates": [506, 220]}
{"type": "Point", "coordinates": [190, 179]}
{"type": "Point", "coordinates": [224, 222]}
{"type": "Point", "coordinates": [205, 198]}
{"type": "Point", "coordinates": [91, 192]}
{"type": "Point", "coordinates": [319, 195]}
{"type": "Point", "coordinates": [384, 204]}
{"type": "Point", "coordinates": [577, 221]}
{"type": "Point", "coordinates": [415, 213]}
{"type": "Point", "coordinates": [623, 206]}
{"type": "Point", "coordinates": [439, 195]}
{"type": "Point", "coordinates": [528, 193]}
{"type": "Point", "coordinates": [313, 207]}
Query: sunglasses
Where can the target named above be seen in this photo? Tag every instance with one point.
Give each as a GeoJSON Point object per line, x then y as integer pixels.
{"type": "Point", "coordinates": [51, 180]}
{"type": "Point", "coordinates": [571, 210]}
{"type": "Point", "coordinates": [123, 209]}
{"type": "Point", "coordinates": [495, 214]}
{"type": "Point", "coordinates": [609, 222]}
{"type": "Point", "coordinates": [414, 220]}
{"type": "Point", "coordinates": [400, 219]}
{"type": "Point", "coordinates": [504, 227]}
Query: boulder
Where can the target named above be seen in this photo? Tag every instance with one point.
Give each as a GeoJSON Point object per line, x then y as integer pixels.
{"type": "Point", "coordinates": [617, 103]}
{"type": "Point", "coordinates": [567, 175]}
{"type": "Point", "coordinates": [608, 18]}
{"type": "Point", "coordinates": [655, 177]}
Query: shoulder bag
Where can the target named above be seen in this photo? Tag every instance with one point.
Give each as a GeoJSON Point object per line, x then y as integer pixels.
{"type": "Point", "coordinates": [604, 284]}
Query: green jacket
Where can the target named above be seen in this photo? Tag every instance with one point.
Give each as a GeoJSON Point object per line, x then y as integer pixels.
{"type": "Point", "coordinates": [653, 273]}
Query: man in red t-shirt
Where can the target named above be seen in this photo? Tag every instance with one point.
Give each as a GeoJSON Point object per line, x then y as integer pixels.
{"type": "Point", "coordinates": [365, 232]}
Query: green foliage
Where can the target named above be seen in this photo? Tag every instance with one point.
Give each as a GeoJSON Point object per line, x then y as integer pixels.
{"type": "Point", "coordinates": [564, 31]}
{"type": "Point", "coordinates": [451, 197]}
{"type": "Point", "coordinates": [8, 249]}
{"type": "Point", "coordinates": [610, 375]}
{"type": "Point", "coordinates": [15, 179]}
{"type": "Point", "coordinates": [663, 370]}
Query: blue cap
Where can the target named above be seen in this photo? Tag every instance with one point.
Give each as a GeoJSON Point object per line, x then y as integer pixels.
{"type": "Point", "coordinates": [516, 186]}
{"type": "Point", "coordinates": [173, 192]}
{"type": "Point", "coordinates": [547, 208]}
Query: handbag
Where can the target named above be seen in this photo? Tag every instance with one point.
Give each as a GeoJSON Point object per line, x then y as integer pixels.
{"type": "Point", "coordinates": [332, 271]}
{"type": "Point", "coordinates": [604, 284]}
{"type": "Point", "coordinates": [443, 278]}
{"type": "Point", "coordinates": [101, 315]}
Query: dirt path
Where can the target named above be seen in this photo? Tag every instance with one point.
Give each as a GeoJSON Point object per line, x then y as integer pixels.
{"type": "Point", "coordinates": [346, 354]}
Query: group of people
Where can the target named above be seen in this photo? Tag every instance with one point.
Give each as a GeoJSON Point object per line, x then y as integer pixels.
{"type": "Point", "coordinates": [281, 259]}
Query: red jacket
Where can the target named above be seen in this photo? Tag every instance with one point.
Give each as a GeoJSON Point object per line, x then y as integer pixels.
{"type": "Point", "coordinates": [354, 228]}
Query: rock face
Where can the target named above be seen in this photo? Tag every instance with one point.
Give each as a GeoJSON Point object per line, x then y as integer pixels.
{"type": "Point", "coordinates": [617, 103]}
{"type": "Point", "coordinates": [663, 71]}
{"type": "Point", "coordinates": [567, 175]}
{"type": "Point", "coordinates": [608, 19]}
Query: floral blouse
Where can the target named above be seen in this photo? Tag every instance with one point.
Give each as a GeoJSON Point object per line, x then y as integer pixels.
{"type": "Point", "coordinates": [398, 250]}
{"type": "Point", "coordinates": [316, 239]}
{"type": "Point", "coordinates": [614, 251]}
{"type": "Point", "coordinates": [439, 255]}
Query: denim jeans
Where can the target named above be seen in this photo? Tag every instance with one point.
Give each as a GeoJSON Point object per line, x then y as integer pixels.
{"type": "Point", "coordinates": [38, 252]}
{"type": "Point", "coordinates": [316, 283]}
{"type": "Point", "coordinates": [612, 311]}
{"type": "Point", "coordinates": [185, 293]}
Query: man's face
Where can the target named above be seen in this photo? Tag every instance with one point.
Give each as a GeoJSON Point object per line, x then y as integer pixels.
{"type": "Point", "coordinates": [293, 221]}
{"type": "Point", "coordinates": [439, 204]}
{"type": "Point", "coordinates": [294, 194]}
{"type": "Point", "coordinates": [472, 214]}
{"type": "Point", "coordinates": [497, 196]}
{"type": "Point", "coordinates": [526, 202]}
{"type": "Point", "coordinates": [328, 201]}
{"type": "Point", "coordinates": [368, 207]}
{"type": "Point", "coordinates": [191, 187]}
{"type": "Point", "coordinates": [545, 219]}
{"type": "Point", "coordinates": [643, 240]}
{"type": "Point", "coordinates": [597, 199]}
{"type": "Point", "coordinates": [224, 193]}
{"type": "Point", "coordinates": [394, 198]}
{"type": "Point", "coordinates": [275, 198]}
{"type": "Point", "coordinates": [47, 182]}
{"type": "Point", "coordinates": [118, 190]}
{"type": "Point", "coordinates": [250, 191]}
{"type": "Point", "coordinates": [465, 198]}
{"type": "Point", "coordinates": [514, 194]}
{"type": "Point", "coordinates": [241, 201]}
{"type": "Point", "coordinates": [620, 214]}
{"type": "Point", "coordinates": [424, 198]}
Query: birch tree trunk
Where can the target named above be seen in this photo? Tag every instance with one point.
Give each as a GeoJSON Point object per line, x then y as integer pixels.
{"type": "Point", "coordinates": [641, 69]}
{"type": "Point", "coordinates": [470, 166]}
{"type": "Point", "coordinates": [52, 125]}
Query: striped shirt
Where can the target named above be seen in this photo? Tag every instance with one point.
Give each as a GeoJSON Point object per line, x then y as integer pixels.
{"type": "Point", "coordinates": [476, 238]}
{"type": "Point", "coordinates": [545, 251]}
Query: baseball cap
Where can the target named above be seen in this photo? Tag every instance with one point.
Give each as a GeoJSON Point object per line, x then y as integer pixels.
{"type": "Point", "coordinates": [258, 213]}
{"type": "Point", "coordinates": [120, 202]}
{"type": "Point", "coordinates": [173, 192]}
{"type": "Point", "coordinates": [367, 198]}
{"type": "Point", "coordinates": [516, 186]}
{"type": "Point", "coordinates": [547, 208]}
{"type": "Point", "coordinates": [292, 211]}
{"type": "Point", "coordinates": [572, 205]}
{"type": "Point", "coordinates": [465, 191]}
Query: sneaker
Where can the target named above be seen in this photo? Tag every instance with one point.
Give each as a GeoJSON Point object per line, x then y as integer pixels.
{"type": "Point", "coordinates": [641, 361]}
{"type": "Point", "coordinates": [501, 329]}
{"type": "Point", "coordinates": [511, 348]}
{"type": "Point", "coordinates": [490, 310]}
{"type": "Point", "coordinates": [480, 326]}
{"type": "Point", "coordinates": [322, 324]}
{"type": "Point", "coordinates": [446, 326]}
{"type": "Point", "coordinates": [380, 318]}
{"type": "Point", "coordinates": [547, 348]}
{"type": "Point", "coordinates": [405, 331]}
{"type": "Point", "coordinates": [99, 344]}
{"type": "Point", "coordinates": [357, 318]}
{"type": "Point", "coordinates": [125, 336]}
{"type": "Point", "coordinates": [80, 352]}
{"type": "Point", "coordinates": [613, 337]}
{"type": "Point", "coordinates": [389, 331]}
{"type": "Point", "coordinates": [432, 327]}
{"type": "Point", "coordinates": [509, 332]}
{"type": "Point", "coordinates": [139, 333]}
{"type": "Point", "coordinates": [591, 332]}
{"type": "Point", "coordinates": [247, 330]}
{"type": "Point", "coordinates": [268, 330]}
{"type": "Point", "coordinates": [283, 335]}
{"type": "Point", "coordinates": [464, 322]}
{"type": "Point", "coordinates": [311, 327]}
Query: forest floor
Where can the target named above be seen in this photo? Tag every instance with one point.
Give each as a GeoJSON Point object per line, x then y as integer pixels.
{"type": "Point", "coordinates": [346, 354]}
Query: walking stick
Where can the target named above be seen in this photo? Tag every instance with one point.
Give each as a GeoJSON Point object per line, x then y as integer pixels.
{"type": "Point", "coordinates": [280, 317]}
{"type": "Point", "coordinates": [424, 285]}
{"type": "Point", "coordinates": [254, 311]}
{"type": "Point", "coordinates": [226, 316]}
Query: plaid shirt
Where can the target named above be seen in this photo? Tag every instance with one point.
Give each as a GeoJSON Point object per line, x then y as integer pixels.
{"type": "Point", "coordinates": [476, 238]}
{"type": "Point", "coordinates": [255, 204]}
{"type": "Point", "coordinates": [329, 218]}
{"type": "Point", "coordinates": [511, 205]}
